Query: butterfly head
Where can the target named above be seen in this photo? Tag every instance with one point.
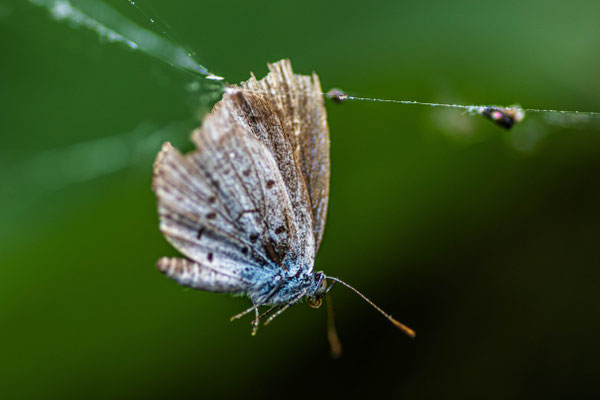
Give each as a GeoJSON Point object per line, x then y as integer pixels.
{"type": "Point", "coordinates": [320, 289]}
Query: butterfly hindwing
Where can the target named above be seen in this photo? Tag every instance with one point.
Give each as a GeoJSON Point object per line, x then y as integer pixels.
{"type": "Point", "coordinates": [202, 276]}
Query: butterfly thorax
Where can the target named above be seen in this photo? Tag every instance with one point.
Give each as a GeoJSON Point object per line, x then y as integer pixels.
{"type": "Point", "coordinates": [281, 287]}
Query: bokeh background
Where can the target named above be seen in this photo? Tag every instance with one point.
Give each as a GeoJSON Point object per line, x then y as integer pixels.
{"type": "Point", "coordinates": [486, 242]}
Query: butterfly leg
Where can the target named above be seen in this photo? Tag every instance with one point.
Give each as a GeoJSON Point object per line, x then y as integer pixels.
{"type": "Point", "coordinates": [257, 317]}
{"type": "Point", "coordinates": [240, 315]}
{"type": "Point", "coordinates": [267, 312]}
{"type": "Point", "coordinates": [256, 322]}
{"type": "Point", "coordinates": [285, 307]}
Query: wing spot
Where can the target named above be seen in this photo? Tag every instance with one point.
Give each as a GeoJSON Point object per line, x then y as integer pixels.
{"type": "Point", "coordinates": [200, 233]}
{"type": "Point", "coordinates": [274, 254]}
{"type": "Point", "coordinates": [246, 172]}
{"type": "Point", "coordinates": [270, 184]}
{"type": "Point", "coordinates": [279, 230]}
{"type": "Point", "coordinates": [244, 250]}
{"type": "Point", "coordinates": [253, 237]}
{"type": "Point", "coordinates": [212, 199]}
{"type": "Point", "coordinates": [211, 215]}
{"type": "Point", "coordinates": [210, 257]}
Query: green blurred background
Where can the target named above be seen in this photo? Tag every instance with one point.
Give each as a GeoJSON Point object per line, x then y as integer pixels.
{"type": "Point", "coordinates": [486, 242]}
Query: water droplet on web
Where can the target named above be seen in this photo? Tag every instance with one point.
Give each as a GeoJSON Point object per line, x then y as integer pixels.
{"type": "Point", "coordinates": [112, 37]}
{"type": "Point", "coordinates": [214, 77]}
{"type": "Point", "coordinates": [61, 10]}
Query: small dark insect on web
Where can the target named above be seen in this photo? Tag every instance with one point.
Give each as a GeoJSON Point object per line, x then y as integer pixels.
{"type": "Point", "coordinates": [505, 117]}
{"type": "Point", "coordinates": [337, 96]}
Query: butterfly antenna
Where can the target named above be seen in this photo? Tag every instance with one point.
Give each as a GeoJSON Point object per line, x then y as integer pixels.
{"type": "Point", "coordinates": [398, 324]}
{"type": "Point", "coordinates": [332, 336]}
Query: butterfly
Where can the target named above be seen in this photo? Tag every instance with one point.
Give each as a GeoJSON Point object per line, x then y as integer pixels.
{"type": "Point", "coordinates": [247, 208]}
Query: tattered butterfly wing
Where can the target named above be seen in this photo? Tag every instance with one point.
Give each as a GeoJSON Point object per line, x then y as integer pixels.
{"type": "Point", "coordinates": [254, 114]}
{"type": "Point", "coordinates": [225, 206]}
{"type": "Point", "coordinates": [298, 103]}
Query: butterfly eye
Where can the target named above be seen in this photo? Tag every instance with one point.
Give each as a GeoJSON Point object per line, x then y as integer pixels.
{"type": "Point", "coordinates": [321, 288]}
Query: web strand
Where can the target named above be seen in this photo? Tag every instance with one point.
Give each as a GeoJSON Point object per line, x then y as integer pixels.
{"type": "Point", "coordinates": [473, 109]}
{"type": "Point", "coordinates": [112, 26]}
{"type": "Point", "coordinates": [116, 28]}
{"type": "Point", "coordinates": [166, 29]}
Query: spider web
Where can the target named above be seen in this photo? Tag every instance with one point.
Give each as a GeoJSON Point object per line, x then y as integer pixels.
{"type": "Point", "coordinates": [124, 150]}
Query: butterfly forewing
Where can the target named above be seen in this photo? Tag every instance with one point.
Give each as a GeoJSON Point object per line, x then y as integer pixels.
{"type": "Point", "coordinates": [256, 181]}
{"type": "Point", "coordinates": [297, 101]}
{"type": "Point", "coordinates": [252, 113]}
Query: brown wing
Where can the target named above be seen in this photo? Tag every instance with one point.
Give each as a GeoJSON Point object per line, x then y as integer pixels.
{"type": "Point", "coordinates": [297, 101]}
{"type": "Point", "coordinates": [225, 206]}
{"type": "Point", "coordinates": [254, 116]}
